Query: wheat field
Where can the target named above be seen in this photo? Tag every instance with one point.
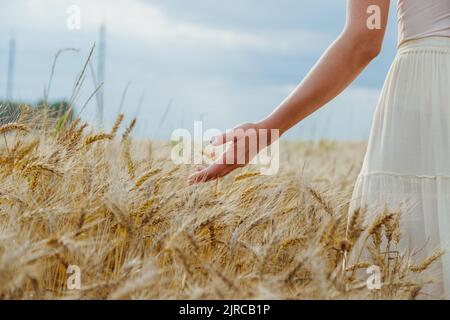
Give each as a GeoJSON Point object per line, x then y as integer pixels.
{"type": "Point", "coordinates": [122, 212]}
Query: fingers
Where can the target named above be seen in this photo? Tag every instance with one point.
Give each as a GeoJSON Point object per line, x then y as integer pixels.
{"type": "Point", "coordinates": [227, 162]}
{"type": "Point", "coordinates": [216, 170]}
{"type": "Point", "coordinates": [202, 176]}
{"type": "Point", "coordinates": [196, 177]}
{"type": "Point", "coordinates": [213, 172]}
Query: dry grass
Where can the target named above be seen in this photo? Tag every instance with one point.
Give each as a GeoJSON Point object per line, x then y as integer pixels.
{"type": "Point", "coordinates": [121, 211]}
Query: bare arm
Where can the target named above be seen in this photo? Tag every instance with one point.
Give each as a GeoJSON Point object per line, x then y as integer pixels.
{"type": "Point", "coordinates": [344, 60]}
{"type": "Point", "coordinates": [338, 67]}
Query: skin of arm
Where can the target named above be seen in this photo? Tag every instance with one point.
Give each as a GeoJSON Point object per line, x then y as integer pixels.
{"type": "Point", "coordinates": [338, 67]}
{"type": "Point", "coordinates": [344, 60]}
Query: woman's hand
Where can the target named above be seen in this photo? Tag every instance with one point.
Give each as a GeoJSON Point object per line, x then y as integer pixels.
{"type": "Point", "coordinates": [245, 141]}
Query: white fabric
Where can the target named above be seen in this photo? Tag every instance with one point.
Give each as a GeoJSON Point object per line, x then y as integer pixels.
{"type": "Point", "coordinates": [423, 18]}
{"type": "Point", "coordinates": [407, 163]}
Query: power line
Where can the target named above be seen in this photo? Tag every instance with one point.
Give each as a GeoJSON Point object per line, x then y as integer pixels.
{"type": "Point", "coordinates": [11, 66]}
{"type": "Point", "coordinates": [101, 72]}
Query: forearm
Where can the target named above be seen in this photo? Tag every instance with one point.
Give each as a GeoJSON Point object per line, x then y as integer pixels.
{"type": "Point", "coordinates": [337, 68]}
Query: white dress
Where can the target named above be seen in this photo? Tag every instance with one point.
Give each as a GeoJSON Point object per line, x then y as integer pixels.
{"type": "Point", "coordinates": [407, 164]}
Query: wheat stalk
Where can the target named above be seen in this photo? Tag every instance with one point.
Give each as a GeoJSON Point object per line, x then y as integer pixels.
{"type": "Point", "coordinates": [13, 127]}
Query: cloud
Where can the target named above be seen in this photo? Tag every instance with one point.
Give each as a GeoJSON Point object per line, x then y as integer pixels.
{"type": "Point", "coordinates": [140, 21]}
{"type": "Point", "coordinates": [227, 62]}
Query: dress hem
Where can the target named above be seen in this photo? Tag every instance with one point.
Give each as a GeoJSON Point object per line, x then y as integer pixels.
{"type": "Point", "coordinates": [400, 175]}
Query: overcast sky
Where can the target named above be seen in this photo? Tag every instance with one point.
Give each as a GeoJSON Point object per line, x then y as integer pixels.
{"type": "Point", "coordinates": [223, 62]}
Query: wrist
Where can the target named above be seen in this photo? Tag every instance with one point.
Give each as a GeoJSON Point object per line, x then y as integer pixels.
{"type": "Point", "coordinates": [269, 124]}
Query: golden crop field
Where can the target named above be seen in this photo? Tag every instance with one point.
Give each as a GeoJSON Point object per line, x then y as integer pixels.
{"type": "Point", "coordinates": [120, 211]}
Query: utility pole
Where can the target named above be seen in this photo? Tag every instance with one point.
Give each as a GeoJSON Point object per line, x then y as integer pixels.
{"type": "Point", "coordinates": [11, 65]}
{"type": "Point", "coordinates": [101, 72]}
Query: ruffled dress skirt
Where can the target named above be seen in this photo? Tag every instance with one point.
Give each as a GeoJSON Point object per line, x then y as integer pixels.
{"type": "Point", "coordinates": [407, 163]}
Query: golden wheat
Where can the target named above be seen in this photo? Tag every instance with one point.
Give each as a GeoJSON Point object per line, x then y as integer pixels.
{"type": "Point", "coordinates": [246, 236]}
{"type": "Point", "coordinates": [13, 127]}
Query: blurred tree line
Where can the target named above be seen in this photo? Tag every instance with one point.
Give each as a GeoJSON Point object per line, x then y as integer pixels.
{"type": "Point", "coordinates": [10, 111]}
